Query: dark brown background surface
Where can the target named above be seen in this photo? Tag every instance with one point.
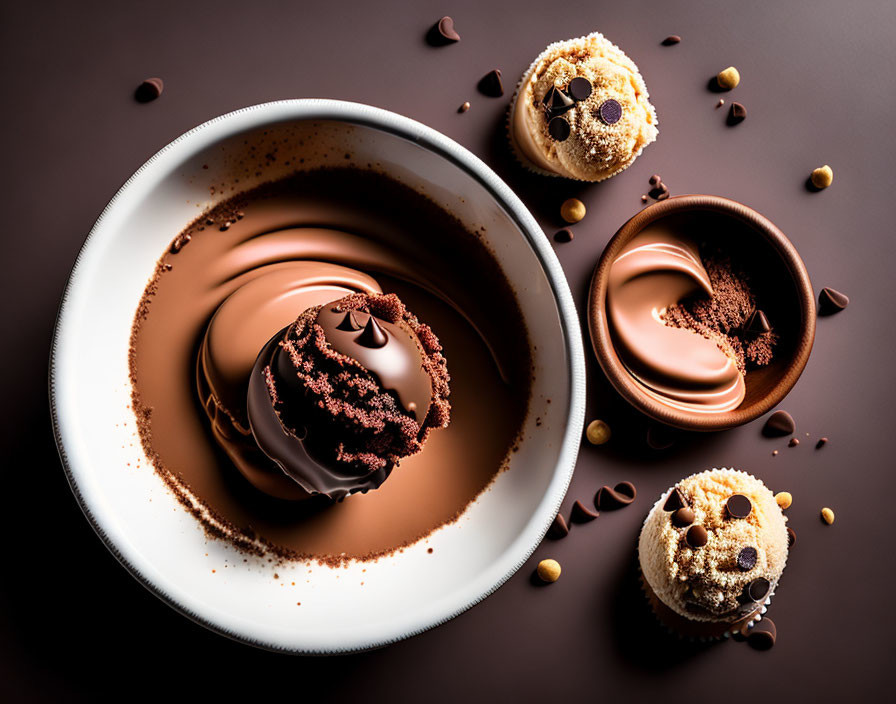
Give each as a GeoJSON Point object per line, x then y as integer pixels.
{"type": "Point", "coordinates": [818, 81]}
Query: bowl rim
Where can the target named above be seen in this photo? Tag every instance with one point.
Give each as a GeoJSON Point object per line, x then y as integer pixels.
{"type": "Point", "coordinates": [307, 109]}
{"type": "Point", "coordinates": [615, 370]}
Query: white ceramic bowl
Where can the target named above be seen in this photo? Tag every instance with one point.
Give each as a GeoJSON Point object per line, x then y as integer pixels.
{"type": "Point", "coordinates": [144, 526]}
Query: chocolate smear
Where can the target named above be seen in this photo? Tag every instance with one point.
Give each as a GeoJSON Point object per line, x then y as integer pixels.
{"type": "Point", "coordinates": [762, 635]}
{"type": "Point", "coordinates": [373, 335]}
{"type": "Point", "coordinates": [675, 501]}
{"type": "Point", "coordinates": [581, 514]}
{"type": "Point", "coordinates": [607, 499]}
{"type": "Point", "coordinates": [490, 84]}
{"type": "Point", "coordinates": [580, 89]}
{"type": "Point", "coordinates": [671, 40]}
{"type": "Point", "coordinates": [737, 113]}
{"type": "Point", "coordinates": [831, 301]}
{"type": "Point", "coordinates": [149, 90]}
{"type": "Point", "coordinates": [558, 528]}
{"type": "Point", "coordinates": [779, 424]}
{"type": "Point", "coordinates": [559, 129]}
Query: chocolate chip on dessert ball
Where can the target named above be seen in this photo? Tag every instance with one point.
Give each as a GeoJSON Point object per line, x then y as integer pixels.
{"type": "Point", "coordinates": [738, 506]}
{"type": "Point", "coordinates": [683, 517]}
{"type": "Point", "coordinates": [746, 559]}
{"type": "Point", "coordinates": [580, 89]}
{"type": "Point", "coordinates": [697, 536]}
{"type": "Point", "coordinates": [675, 501]}
{"type": "Point", "coordinates": [758, 589]}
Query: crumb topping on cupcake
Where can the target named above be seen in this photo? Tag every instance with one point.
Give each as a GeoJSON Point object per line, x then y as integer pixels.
{"type": "Point", "coordinates": [603, 129]}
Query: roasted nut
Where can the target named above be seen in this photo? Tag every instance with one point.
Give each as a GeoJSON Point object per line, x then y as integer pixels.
{"type": "Point", "coordinates": [784, 499]}
{"type": "Point", "coordinates": [572, 210]}
{"type": "Point", "coordinates": [548, 571]}
{"type": "Point", "coordinates": [597, 432]}
{"type": "Point", "coordinates": [827, 515]}
{"type": "Point", "coordinates": [822, 177]}
{"type": "Point", "coordinates": [728, 79]}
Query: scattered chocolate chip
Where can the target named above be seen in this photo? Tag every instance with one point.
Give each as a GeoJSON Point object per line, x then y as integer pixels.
{"type": "Point", "coordinates": [774, 453]}
{"type": "Point", "coordinates": [793, 442]}
{"type": "Point", "coordinates": [696, 536]}
{"type": "Point", "coordinates": [831, 301]}
{"type": "Point", "coordinates": [683, 517]}
{"type": "Point", "coordinates": [659, 191]}
{"type": "Point", "coordinates": [663, 195]}
{"type": "Point", "coordinates": [736, 114]}
{"type": "Point", "coordinates": [559, 129]}
{"type": "Point", "coordinates": [821, 443]}
{"type": "Point", "coordinates": [149, 90]}
{"type": "Point", "coordinates": [660, 437]}
{"type": "Point", "coordinates": [757, 324]}
{"type": "Point", "coordinates": [675, 501]}
{"type": "Point", "coordinates": [720, 103]}
{"type": "Point", "coordinates": [655, 180]}
{"type": "Point", "coordinates": [791, 537]}
{"type": "Point", "coordinates": [179, 243]}
{"type": "Point", "coordinates": [225, 226]}
{"type": "Point", "coordinates": [348, 323]}
{"type": "Point", "coordinates": [580, 89]}
{"type": "Point", "coordinates": [580, 514]}
{"type": "Point", "coordinates": [447, 30]}
{"type": "Point", "coordinates": [757, 589]}
{"type": "Point", "coordinates": [373, 335]}
{"type": "Point", "coordinates": [762, 635]}
{"type": "Point", "coordinates": [607, 499]}
{"type": "Point", "coordinates": [671, 40]}
{"type": "Point", "coordinates": [556, 102]}
{"type": "Point", "coordinates": [564, 235]}
{"type": "Point", "coordinates": [738, 506]}
{"type": "Point", "coordinates": [558, 528]}
{"type": "Point", "coordinates": [779, 423]}
{"type": "Point", "coordinates": [209, 221]}
{"type": "Point", "coordinates": [490, 84]}
{"type": "Point", "coordinates": [746, 559]}
{"type": "Point", "coordinates": [644, 198]}
{"type": "Point", "coordinates": [464, 106]}
{"type": "Point", "coordinates": [610, 111]}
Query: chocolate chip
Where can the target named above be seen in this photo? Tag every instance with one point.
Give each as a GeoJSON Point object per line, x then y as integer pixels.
{"type": "Point", "coordinates": [683, 517]}
{"type": "Point", "coordinates": [607, 499]}
{"type": "Point", "coordinates": [791, 537]}
{"type": "Point", "coordinates": [556, 102]}
{"type": "Point", "coordinates": [656, 180]}
{"type": "Point", "coordinates": [580, 514]}
{"type": "Point", "coordinates": [580, 89]}
{"type": "Point", "coordinates": [464, 106]}
{"type": "Point", "coordinates": [558, 528]}
{"type": "Point", "coordinates": [660, 437]}
{"type": "Point", "coordinates": [675, 501]}
{"type": "Point", "coordinates": [559, 129]}
{"type": "Point", "coordinates": [696, 536]}
{"type": "Point", "coordinates": [663, 196]}
{"type": "Point", "coordinates": [671, 40]}
{"type": "Point", "coordinates": [736, 114]}
{"type": "Point", "coordinates": [738, 506]}
{"type": "Point", "coordinates": [447, 30]}
{"type": "Point", "coordinates": [373, 335]}
{"type": "Point", "coordinates": [831, 301]}
{"type": "Point", "coordinates": [757, 324]}
{"type": "Point", "coordinates": [610, 111]}
{"type": "Point", "coordinates": [762, 635]}
{"type": "Point", "coordinates": [821, 443]}
{"type": "Point", "coordinates": [659, 191]}
{"type": "Point", "coordinates": [758, 589]}
{"type": "Point", "coordinates": [179, 243]}
{"type": "Point", "coordinates": [490, 84]}
{"type": "Point", "coordinates": [348, 322]}
{"type": "Point", "coordinates": [564, 235]}
{"type": "Point", "coordinates": [793, 442]}
{"type": "Point", "coordinates": [746, 559]}
{"type": "Point", "coordinates": [779, 423]}
{"type": "Point", "coordinates": [149, 90]}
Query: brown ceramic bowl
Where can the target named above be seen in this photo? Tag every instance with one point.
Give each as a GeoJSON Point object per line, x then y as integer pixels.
{"type": "Point", "coordinates": [778, 276]}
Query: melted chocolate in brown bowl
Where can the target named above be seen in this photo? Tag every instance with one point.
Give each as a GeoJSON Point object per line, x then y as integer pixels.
{"type": "Point", "coordinates": [250, 266]}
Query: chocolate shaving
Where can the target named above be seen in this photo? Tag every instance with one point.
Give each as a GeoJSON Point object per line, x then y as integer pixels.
{"type": "Point", "coordinates": [831, 301]}
{"type": "Point", "coordinates": [607, 499]}
{"type": "Point", "coordinates": [581, 514]}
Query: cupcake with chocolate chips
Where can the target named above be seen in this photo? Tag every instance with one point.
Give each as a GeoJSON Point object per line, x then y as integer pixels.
{"type": "Point", "coordinates": [581, 111]}
{"type": "Point", "coordinates": [711, 553]}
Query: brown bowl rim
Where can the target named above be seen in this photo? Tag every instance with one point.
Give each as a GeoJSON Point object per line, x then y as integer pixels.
{"type": "Point", "coordinates": [619, 376]}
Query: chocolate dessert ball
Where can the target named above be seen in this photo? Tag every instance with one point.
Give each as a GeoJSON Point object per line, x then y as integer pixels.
{"type": "Point", "coordinates": [712, 551]}
{"type": "Point", "coordinates": [338, 397]}
{"type": "Point", "coordinates": [581, 111]}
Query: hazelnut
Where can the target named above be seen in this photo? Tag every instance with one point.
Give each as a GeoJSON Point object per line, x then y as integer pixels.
{"type": "Point", "coordinates": [597, 432]}
{"type": "Point", "coordinates": [572, 210]}
{"type": "Point", "coordinates": [784, 499]}
{"type": "Point", "coordinates": [827, 515]}
{"type": "Point", "coordinates": [548, 571]}
{"type": "Point", "coordinates": [728, 79]}
{"type": "Point", "coordinates": [822, 177]}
